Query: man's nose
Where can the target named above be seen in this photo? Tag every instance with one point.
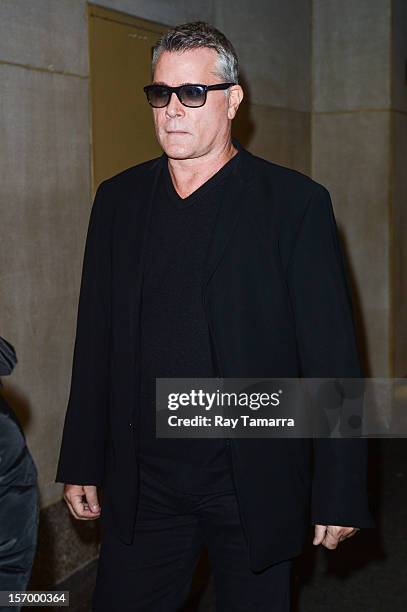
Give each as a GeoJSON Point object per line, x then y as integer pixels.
{"type": "Point", "coordinates": [174, 106]}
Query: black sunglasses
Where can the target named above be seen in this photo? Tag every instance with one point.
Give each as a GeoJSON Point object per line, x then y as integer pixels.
{"type": "Point", "coordinates": [192, 95]}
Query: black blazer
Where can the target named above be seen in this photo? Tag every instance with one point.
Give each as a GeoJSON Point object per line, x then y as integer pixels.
{"type": "Point", "coordinates": [277, 300]}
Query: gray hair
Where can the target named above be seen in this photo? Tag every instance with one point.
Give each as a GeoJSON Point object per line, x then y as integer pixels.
{"type": "Point", "coordinates": [198, 34]}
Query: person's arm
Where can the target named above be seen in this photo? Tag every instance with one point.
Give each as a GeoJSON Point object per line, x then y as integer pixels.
{"type": "Point", "coordinates": [82, 453]}
{"type": "Point", "coordinates": [327, 347]}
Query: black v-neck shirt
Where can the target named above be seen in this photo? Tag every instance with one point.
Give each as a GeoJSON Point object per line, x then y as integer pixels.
{"type": "Point", "coordinates": [175, 338]}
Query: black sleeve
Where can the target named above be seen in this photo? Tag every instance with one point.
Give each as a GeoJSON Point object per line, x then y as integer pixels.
{"type": "Point", "coordinates": [81, 459]}
{"type": "Point", "coordinates": [327, 347]}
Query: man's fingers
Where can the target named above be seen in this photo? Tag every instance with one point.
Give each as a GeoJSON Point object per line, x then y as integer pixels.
{"type": "Point", "coordinates": [77, 496]}
{"type": "Point", "coordinates": [319, 534]}
{"type": "Point", "coordinates": [330, 535]}
{"type": "Point", "coordinates": [347, 532]}
{"type": "Point", "coordinates": [79, 516]}
{"type": "Point", "coordinates": [81, 507]}
{"type": "Point", "coordinates": [92, 498]}
{"type": "Point", "coordinates": [331, 539]}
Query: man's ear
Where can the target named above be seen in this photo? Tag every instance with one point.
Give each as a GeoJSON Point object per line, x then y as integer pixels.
{"type": "Point", "coordinates": [234, 99]}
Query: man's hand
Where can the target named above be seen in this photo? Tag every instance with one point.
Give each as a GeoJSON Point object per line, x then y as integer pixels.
{"type": "Point", "coordinates": [331, 535]}
{"type": "Point", "coordinates": [82, 501]}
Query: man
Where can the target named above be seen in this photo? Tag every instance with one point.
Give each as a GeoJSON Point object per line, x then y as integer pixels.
{"type": "Point", "coordinates": [206, 261]}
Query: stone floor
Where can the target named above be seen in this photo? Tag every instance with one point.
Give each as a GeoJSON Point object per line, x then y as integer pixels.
{"type": "Point", "coordinates": [366, 573]}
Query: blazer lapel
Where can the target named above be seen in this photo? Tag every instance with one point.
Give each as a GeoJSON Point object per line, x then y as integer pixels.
{"type": "Point", "coordinates": [130, 241]}
{"type": "Point", "coordinates": [229, 213]}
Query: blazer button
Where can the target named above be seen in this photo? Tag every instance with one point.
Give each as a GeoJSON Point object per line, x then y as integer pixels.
{"type": "Point", "coordinates": [130, 424]}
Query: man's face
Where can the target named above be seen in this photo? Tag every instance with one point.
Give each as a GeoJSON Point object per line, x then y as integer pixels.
{"type": "Point", "coordinates": [184, 132]}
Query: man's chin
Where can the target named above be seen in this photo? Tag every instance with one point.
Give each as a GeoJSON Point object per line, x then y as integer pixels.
{"type": "Point", "coordinates": [178, 151]}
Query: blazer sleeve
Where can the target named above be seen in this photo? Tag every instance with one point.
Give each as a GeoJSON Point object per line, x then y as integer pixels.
{"type": "Point", "coordinates": [327, 347]}
{"type": "Point", "coordinates": [81, 459]}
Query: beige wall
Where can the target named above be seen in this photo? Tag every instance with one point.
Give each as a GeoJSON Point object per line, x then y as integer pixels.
{"type": "Point", "coordinates": [274, 49]}
{"type": "Point", "coordinates": [358, 132]}
{"type": "Point", "coordinates": [45, 199]}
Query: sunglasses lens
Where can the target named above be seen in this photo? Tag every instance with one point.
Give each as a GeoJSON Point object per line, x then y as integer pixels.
{"type": "Point", "coordinates": [158, 96]}
{"type": "Point", "coordinates": [192, 95]}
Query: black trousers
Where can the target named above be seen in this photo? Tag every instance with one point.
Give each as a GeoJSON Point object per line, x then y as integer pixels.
{"type": "Point", "coordinates": [154, 573]}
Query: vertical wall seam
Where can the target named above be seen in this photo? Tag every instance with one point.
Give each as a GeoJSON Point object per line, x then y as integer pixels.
{"type": "Point", "coordinates": [92, 186]}
{"type": "Point", "coordinates": [392, 267]}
